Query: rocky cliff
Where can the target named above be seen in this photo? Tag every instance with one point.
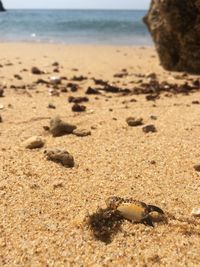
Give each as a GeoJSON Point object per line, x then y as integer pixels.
{"type": "Point", "coordinates": [1, 7]}
{"type": "Point", "coordinates": [175, 29]}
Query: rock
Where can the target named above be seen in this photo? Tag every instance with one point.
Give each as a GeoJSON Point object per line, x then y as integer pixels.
{"type": "Point", "coordinates": [55, 80]}
{"type": "Point", "coordinates": [80, 99]}
{"type": "Point", "coordinates": [58, 127]}
{"type": "Point", "coordinates": [175, 29]}
{"type": "Point", "coordinates": [2, 7]}
{"type": "Point", "coordinates": [1, 120]}
{"type": "Point", "coordinates": [1, 92]}
{"type": "Point", "coordinates": [81, 132]}
{"type": "Point", "coordinates": [153, 117]}
{"type": "Point", "coordinates": [18, 77]}
{"type": "Point", "coordinates": [79, 78]}
{"type": "Point", "coordinates": [34, 142]}
{"type": "Point", "coordinates": [60, 156]}
{"type": "Point", "coordinates": [52, 106]}
{"type": "Point", "coordinates": [1, 106]}
{"type": "Point", "coordinates": [92, 91]}
{"type": "Point", "coordinates": [133, 122]}
{"type": "Point", "coordinates": [78, 108]}
{"type": "Point", "coordinates": [195, 212]}
{"type": "Point", "coordinates": [149, 129]}
{"type": "Point", "coordinates": [197, 167]}
{"type": "Point", "coordinates": [36, 70]}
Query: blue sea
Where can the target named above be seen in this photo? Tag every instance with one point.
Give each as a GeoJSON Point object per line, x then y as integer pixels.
{"type": "Point", "coordinates": [74, 27]}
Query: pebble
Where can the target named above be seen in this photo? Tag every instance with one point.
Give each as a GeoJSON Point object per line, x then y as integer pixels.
{"type": "Point", "coordinates": [80, 99]}
{"type": "Point", "coordinates": [52, 106]}
{"type": "Point", "coordinates": [195, 212]}
{"type": "Point", "coordinates": [58, 127]}
{"type": "Point", "coordinates": [153, 117]}
{"type": "Point", "coordinates": [149, 129]}
{"type": "Point", "coordinates": [81, 132]}
{"type": "Point", "coordinates": [1, 92]}
{"type": "Point", "coordinates": [1, 106]}
{"type": "Point", "coordinates": [36, 70]}
{"type": "Point", "coordinates": [92, 91]}
{"type": "Point", "coordinates": [34, 142]}
{"type": "Point", "coordinates": [78, 108]}
{"type": "Point", "coordinates": [1, 120]}
{"type": "Point", "coordinates": [133, 122]}
{"type": "Point", "coordinates": [60, 156]}
{"type": "Point", "coordinates": [55, 80]}
{"type": "Point", "coordinates": [197, 167]}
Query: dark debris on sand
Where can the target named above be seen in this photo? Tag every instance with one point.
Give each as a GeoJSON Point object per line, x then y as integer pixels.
{"type": "Point", "coordinates": [104, 224]}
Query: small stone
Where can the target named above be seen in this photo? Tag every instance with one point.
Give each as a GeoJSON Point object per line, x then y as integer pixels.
{"type": "Point", "coordinates": [80, 99]}
{"type": "Point", "coordinates": [197, 167]}
{"type": "Point", "coordinates": [60, 156]}
{"type": "Point", "coordinates": [195, 102]}
{"type": "Point", "coordinates": [195, 212]}
{"type": "Point", "coordinates": [81, 132]}
{"type": "Point", "coordinates": [153, 117]}
{"type": "Point", "coordinates": [1, 120]}
{"type": "Point", "coordinates": [1, 106]}
{"type": "Point", "coordinates": [34, 142]}
{"type": "Point", "coordinates": [133, 122]}
{"type": "Point", "coordinates": [52, 106]}
{"type": "Point", "coordinates": [78, 108]}
{"type": "Point", "coordinates": [18, 77]}
{"type": "Point", "coordinates": [92, 91]}
{"type": "Point", "coordinates": [1, 92]}
{"type": "Point", "coordinates": [55, 64]}
{"type": "Point", "coordinates": [36, 70]}
{"type": "Point", "coordinates": [58, 127]}
{"type": "Point", "coordinates": [55, 80]}
{"type": "Point", "coordinates": [149, 129]}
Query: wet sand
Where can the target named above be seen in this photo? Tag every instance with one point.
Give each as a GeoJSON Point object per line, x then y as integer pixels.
{"type": "Point", "coordinates": [44, 205]}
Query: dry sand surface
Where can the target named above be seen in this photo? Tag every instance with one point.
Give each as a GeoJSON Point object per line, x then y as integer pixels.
{"type": "Point", "coordinates": [43, 205]}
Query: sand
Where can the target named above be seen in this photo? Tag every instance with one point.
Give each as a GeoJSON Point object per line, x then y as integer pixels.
{"type": "Point", "coordinates": [43, 205]}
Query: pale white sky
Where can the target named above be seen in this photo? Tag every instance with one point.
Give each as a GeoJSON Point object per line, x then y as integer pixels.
{"type": "Point", "coordinates": [95, 4]}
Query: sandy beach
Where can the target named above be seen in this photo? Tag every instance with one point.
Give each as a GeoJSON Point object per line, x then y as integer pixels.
{"type": "Point", "coordinates": [44, 206]}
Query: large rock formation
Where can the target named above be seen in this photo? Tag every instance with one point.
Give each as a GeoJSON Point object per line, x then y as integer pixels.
{"type": "Point", "coordinates": [1, 7]}
{"type": "Point", "coordinates": [175, 29]}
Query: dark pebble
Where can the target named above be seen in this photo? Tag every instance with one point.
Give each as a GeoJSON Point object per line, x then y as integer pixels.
{"type": "Point", "coordinates": [149, 129]}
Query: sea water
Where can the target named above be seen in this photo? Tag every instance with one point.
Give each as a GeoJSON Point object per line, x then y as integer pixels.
{"type": "Point", "coordinates": [120, 27]}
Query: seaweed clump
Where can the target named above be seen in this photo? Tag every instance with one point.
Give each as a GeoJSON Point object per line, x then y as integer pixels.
{"type": "Point", "coordinates": [104, 224]}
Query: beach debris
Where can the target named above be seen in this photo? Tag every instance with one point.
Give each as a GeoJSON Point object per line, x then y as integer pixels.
{"type": "Point", "coordinates": [133, 122]}
{"type": "Point", "coordinates": [197, 167]}
{"type": "Point", "coordinates": [51, 106]}
{"type": "Point", "coordinates": [55, 64]}
{"type": "Point", "coordinates": [18, 77]}
{"type": "Point", "coordinates": [34, 142]}
{"type": "Point", "coordinates": [134, 210]}
{"type": "Point", "coordinates": [60, 156]}
{"type": "Point", "coordinates": [58, 127]}
{"type": "Point", "coordinates": [78, 108]}
{"type": "Point", "coordinates": [100, 82]}
{"type": "Point", "coordinates": [80, 99]}
{"type": "Point", "coordinates": [53, 92]}
{"type": "Point", "coordinates": [195, 212]}
{"type": "Point", "coordinates": [153, 117]}
{"type": "Point", "coordinates": [79, 78]}
{"type": "Point", "coordinates": [149, 129]}
{"type": "Point", "coordinates": [73, 87]}
{"type": "Point", "coordinates": [195, 102]}
{"type": "Point", "coordinates": [92, 91]}
{"type": "Point", "coordinates": [55, 80]}
{"type": "Point", "coordinates": [104, 224]}
{"type": "Point", "coordinates": [36, 70]}
{"type": "Point", "coordinates": [1, 92]}
{"type": "Point", "coordinates": [81, 132]}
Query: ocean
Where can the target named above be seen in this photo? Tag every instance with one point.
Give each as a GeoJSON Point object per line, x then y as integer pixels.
{"type": "Point", "coordinates": [114, 27]}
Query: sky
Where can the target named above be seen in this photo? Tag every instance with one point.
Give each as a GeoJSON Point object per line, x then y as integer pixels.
{"type": "Point", "coordinates": [93, 4]}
